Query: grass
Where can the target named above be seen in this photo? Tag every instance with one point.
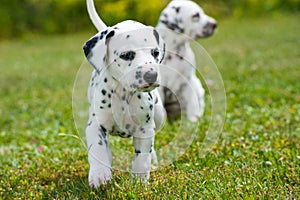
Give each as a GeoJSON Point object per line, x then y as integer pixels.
{"type": "Point", "coordinates": [257, 155]}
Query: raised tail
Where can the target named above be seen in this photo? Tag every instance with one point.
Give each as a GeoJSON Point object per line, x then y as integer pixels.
{"type": "Point", "coordinates": [98, 23]}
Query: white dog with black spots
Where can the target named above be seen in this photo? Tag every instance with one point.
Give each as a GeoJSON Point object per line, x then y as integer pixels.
{"type": "Point", "coordinates": [122, 94]}
{"type": "Point", "coordinates": [180, 22]}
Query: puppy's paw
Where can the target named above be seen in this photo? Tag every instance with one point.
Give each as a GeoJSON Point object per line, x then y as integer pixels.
{"type": "Point", "coordinates": [195, 115]}
{"type": "Point", "coordinates": [141, 167]}
{"type": "Point", "coordinates": [153, 157]}
{"type": "Point", "coordinates": [141, 177]}
{"type": "Point", "coordinates": [193, 118]}
{"type": "Point", "coordinates": [99, 175]}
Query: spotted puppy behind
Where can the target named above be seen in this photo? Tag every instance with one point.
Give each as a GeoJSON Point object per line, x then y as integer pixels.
{"type": "Point", "coordinates": [180, 22]}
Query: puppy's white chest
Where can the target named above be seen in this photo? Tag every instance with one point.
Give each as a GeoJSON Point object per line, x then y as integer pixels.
{"type": "Point", "coordinates": [132, 112]}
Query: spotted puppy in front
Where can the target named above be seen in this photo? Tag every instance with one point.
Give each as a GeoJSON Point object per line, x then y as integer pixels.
{"type": "Point", "coordinates": [122, 95]}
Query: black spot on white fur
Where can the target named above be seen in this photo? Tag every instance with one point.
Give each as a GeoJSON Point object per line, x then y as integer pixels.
{"type": "Point", "coordinates": [177, 9]}
{"type": "Point", "coordinates": [137, 152]}
{"type": "Point", "coordinates": [109, 35]}
{"type": "Point", "coordinates": [196, 17]}
{"type": "Point", "coordinates": [102, 34]}
{"type": "Point", "coordinates": [148, 118]}
{"type": "Point", "coordinates": [90, 123]}
{"type": "Point", "coordinates": [103, 129]}
{"type": "Point", "coordinates": [156, 35]}
{"type": "Point", "coordinates": [155, 52]}
{"type": "Point", "coordinates": [174, 26]}
{"type": "Point", "coordinates": [128, 55]}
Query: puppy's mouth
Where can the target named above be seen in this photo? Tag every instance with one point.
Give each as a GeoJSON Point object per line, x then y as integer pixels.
{"type": "Point", "coordinates": [148, 87]}
{"type": "Point", "coordinates": [205, 34]}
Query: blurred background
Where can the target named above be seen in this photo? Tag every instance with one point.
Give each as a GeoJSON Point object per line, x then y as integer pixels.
{"type": "Point", "coordinates": [19, 18]}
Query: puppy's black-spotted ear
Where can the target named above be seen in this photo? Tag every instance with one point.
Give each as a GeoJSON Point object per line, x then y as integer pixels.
{"type": "Point", "coordinates": [89, 45]}
{"type": "Point", "coordinates": [95, 49]}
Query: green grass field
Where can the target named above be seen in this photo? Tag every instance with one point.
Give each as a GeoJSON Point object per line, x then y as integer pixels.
{"type": "Point", "coordinates": [258, 153]}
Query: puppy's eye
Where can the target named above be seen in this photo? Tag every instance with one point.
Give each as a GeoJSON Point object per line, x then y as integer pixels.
{"type": "Point", "coordinates": [155, 53]}
{"type": "Point", "coordinates": [196, 17]}
{"type": "Point", "coordinates": [128, 55]}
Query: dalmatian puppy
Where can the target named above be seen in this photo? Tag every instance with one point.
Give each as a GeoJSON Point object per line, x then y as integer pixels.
{"type": "Point", "coordinates": [180, 22]}
{"type": "Point", "coordinates": [122, 94]}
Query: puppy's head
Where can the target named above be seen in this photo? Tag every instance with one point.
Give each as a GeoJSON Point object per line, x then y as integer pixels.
{"type": "Point", "coordinates": [130, 52]}
{"type": "Point", "coordinates": [186, 17]}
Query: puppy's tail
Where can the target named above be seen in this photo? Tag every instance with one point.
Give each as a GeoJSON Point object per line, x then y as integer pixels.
{"type": "Point", "coordinates": [98, 23]}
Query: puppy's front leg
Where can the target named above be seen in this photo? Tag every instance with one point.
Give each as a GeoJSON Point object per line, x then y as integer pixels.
{"type": "Point", "coordinates": [142, 163]}
{"type": "Point", "coordinates": [200, 92]}
{"type": "Point", "coordinates": [194, 98]}
{"type": "Point", "coordinates": [99, 155]}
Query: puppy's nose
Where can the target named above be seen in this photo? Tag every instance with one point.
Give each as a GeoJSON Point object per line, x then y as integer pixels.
{"type": "Point", "coordinates": [150, 77]}
{"type": "Point", "coordinates": [213, 25]}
